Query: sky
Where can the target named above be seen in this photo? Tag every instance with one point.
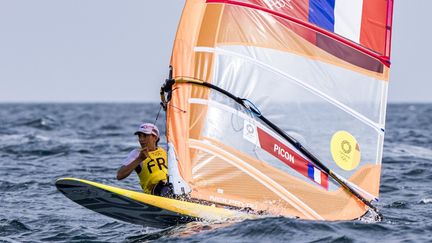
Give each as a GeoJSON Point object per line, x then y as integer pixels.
{"type": "Point", "coordinates": [119, 51]}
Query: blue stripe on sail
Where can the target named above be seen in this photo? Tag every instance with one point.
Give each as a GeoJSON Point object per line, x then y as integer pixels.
{"type": "Point", "coordinates": [311, 171]}
{"type": "Point", "coordinates": [321, 13]}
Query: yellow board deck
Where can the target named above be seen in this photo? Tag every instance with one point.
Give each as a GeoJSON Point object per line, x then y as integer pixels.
{"type": "Point", "coordinates": [140, 208]}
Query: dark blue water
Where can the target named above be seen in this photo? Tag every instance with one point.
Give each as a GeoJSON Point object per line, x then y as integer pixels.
{"type": "Point", "coordinates": [42, 142]}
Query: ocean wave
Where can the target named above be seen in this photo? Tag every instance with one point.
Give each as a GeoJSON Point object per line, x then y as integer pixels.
{"type": "Point", "coordinates": [426, 201]}
{"type": "Point", "coordinates": [44, 123]}
{"type": "Point", "coordinates": [388, 187]}
{"type": "Point", "coordinates": [111, 225]}
{"type": "Point", "coordinates": [6, 186]}
{"type": "Point", "coordinates": [8, 227]}
{"type": "Point", "coordinates": [16, 139]}
{"type": "Point", "coordinates": [398, 204]}
{"type": "Point", "coordinates": [110, 127]}
{"type": "Point", "coordinates": [398, 150]}
{"type": "Point", "coordinates": [19, 151]}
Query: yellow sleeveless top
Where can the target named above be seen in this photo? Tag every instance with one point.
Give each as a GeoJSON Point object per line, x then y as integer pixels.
{"type": "Point", "coordinates": [153, 169]}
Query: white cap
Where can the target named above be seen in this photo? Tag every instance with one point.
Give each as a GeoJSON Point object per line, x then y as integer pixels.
{"type": "Point", "coordinates": [148, 128]}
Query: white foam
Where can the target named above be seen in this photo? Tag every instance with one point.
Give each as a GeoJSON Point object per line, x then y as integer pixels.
{"type": "Point", "coordinates": [42, 138]}
{"type": "Point", "coordinates": [426, 200]}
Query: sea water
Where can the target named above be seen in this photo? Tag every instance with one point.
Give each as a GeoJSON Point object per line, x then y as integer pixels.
{"type": "Point", "coordinates": [42, 142]}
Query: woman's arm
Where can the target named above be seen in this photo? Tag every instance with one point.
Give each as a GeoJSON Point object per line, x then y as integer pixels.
{"type": "Point", "coordinates": [125, 170]}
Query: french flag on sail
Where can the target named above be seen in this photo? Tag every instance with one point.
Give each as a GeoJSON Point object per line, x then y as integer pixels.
{"type": "Point", "coordinates": [339, 16]}
{"type": "Point", "coordinates": [314, 173]}
{"type": "Point", "coordinates": [362, 21]}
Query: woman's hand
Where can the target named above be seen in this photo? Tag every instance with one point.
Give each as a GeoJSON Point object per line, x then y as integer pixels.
{"type": "Point", "coordinates": [125, 170]}
{"type": "Point", "coordinates": [143, 154]}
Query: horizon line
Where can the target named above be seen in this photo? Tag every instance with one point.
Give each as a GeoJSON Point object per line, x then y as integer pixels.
{"type": "Point", "coordinates": [149, 102]}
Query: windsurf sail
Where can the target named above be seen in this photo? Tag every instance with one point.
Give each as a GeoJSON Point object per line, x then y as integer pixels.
{"type": "Point", "coordinates": [279, 105]}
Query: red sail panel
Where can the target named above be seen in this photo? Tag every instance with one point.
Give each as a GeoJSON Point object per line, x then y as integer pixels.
{"type": "Point", "coordinates": [373, 26]}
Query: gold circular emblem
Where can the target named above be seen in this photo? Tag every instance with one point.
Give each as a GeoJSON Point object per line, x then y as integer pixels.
{"type": "Point", "coordinates": [345, 150]}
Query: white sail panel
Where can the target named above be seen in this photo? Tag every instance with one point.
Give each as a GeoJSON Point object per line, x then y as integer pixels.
{"type": "Point", "coordinates": [348, 17]}
{"type": "Point", "coordinates": [346, 89]}
{"type": "Point", "coordinates": [295, 109]}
